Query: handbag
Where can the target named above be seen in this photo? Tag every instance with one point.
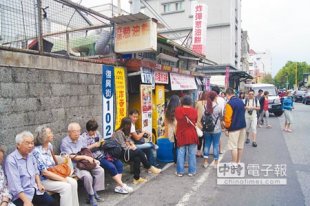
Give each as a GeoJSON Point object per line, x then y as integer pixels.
{"type": "Point", "coordinates": [112, 147]}
{"type": "Point", "coordinates": [62, 170]}
{"type": "Point", "coordinates": [198, 130]}
{"type": "Point", "coordinates": [85, 164]}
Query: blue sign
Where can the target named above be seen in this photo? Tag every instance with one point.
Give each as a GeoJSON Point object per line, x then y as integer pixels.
{"type": "Point", "coordinates": [107, 101]}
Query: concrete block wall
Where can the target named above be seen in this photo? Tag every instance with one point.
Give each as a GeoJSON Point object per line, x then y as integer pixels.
{"type": "Point", "coordinates": [36, 90]}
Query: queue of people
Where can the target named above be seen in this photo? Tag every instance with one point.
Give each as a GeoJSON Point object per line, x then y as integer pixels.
{"type": "Point", "coordinates": [30, 170]}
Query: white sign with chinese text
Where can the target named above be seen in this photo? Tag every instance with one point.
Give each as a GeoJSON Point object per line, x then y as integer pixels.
{"type": "Point", "coordinates": [182, 82]}
{"type": "Point", "coordinates": [200, 28]}
{"type": "Point", "coordinates": [136, 36]}
{"type": "Point", "coordinates": [161, 77]}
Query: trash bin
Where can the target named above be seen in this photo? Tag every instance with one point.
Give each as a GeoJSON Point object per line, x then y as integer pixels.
{"type": "Point", "coordinates": [165, 150]}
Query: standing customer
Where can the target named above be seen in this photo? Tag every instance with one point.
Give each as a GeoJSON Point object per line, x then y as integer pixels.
{"type": "Point", "coordinates": [287, 107]}
{"type": "Point", "coordinates": [171, 122]}
{"type": "Point", "coordinates": [251, 107]}
{"type": "Point", "coordinates": [221, 101]}
{"type": "Point", "coordinates": [23, 174]}
{"type": "Point", "coordinates": [234, 121]}
{"type": "Point", "coordinates": [186, 136]}
{"type": "Point", "coordinates": [214, 136]}
{"type": "Point", "coordinates": [44, 154]}
{"type": "Point", "coordinates": [264, 114]}
{"type": "Point", "coordinates": [201, 107]}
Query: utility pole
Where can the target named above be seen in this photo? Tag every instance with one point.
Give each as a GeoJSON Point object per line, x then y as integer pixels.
{"type": "Point", "coordinates": [296, 76]}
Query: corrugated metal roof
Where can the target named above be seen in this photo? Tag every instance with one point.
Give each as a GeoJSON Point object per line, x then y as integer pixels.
{"type": "Point", "coordinates": [129, 18]}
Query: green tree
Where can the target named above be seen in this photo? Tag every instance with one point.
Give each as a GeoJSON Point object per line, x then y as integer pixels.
{"type": "Point", "coordinates": [267, 79]}
{"type": "Point", "coordinates": [287, 74]}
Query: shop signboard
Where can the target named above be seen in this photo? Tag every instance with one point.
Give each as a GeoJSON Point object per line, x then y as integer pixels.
{"type": "Point", "coordinates": [120, 95]}
{"type": "Point", "coordinates": [146, 76]}
{"type": "Point", "coordinates": [161, 77]}
{"type": "Point", "coordinates": [200, 28]}
{"type": "Point", "coordinates": [146, 107]}
{"type": "Point", "coordinates": [182, 82]}
{"type": "Point", "coordinates": [107, 101]}
{"type": "Point", "coordinates": [136, 36]}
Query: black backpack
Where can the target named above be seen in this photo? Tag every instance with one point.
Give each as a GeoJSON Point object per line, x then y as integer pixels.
{"type": "Point", "coordinates": [207, 122]}
{"type": "Point", "coordinates": [112, 147]}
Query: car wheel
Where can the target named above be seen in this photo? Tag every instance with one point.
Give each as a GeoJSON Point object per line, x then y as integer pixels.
{"type": "Point", "coordinates": [278, 114]}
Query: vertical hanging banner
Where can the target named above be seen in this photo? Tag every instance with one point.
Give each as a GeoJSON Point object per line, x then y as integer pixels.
{"type": "Point", "coordinates": [227, 77]}
{"type": "Point", "coordinates": [160, 110]}
{"type": "Point", "coordinates": [120, 95]}
{"type": "Point", "coordinates": [146, 107]}
{"type": "Point", "coordinates": [207, 83]}
{"type": "Point", "coordinates": [200, 28]}
{"type": "Point", "coordinates": [107, 101]}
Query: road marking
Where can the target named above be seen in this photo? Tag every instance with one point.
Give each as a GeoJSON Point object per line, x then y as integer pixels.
{"type": "Point", "coordinates": [203, 178]}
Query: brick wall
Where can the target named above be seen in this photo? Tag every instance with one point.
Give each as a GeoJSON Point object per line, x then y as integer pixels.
{"type": "Point", "coordinates": [36, 90]}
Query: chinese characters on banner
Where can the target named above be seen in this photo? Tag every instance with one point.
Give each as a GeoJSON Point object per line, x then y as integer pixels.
{"type": "Point", "coordinates": [227, 77]}
{"type": "Point", "coordinates": [107, 101]}
{"type": "Point", "coordinates": [200, 29]}
{"type": "Point", "coordinates": [159, 110]}
{"type": "Point", "coordinates": [120, 95]}
{"type": "Point", "coordinates": [182, 82]}
{"type": "Point", "coordinates": [161, 77]}
{"type": "Point", "coordinates": [136, 36]}
{"type": "Point", "coordinates": [146, 107]}
{"type": "Point", "coordinates": [146, 76]}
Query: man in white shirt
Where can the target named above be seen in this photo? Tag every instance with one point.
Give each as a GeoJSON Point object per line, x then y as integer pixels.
{"type": "Point", "coordinates": [251, 106]}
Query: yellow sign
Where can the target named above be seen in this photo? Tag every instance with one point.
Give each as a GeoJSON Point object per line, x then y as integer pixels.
{"type": "Point", "coordinates": [120, 95]}
{"type": "Point", "coordinates": [159, 111]}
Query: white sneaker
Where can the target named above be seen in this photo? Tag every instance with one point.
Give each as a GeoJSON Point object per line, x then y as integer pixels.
{"type": "Point", "coordinates": [120, 190]}
{"type": "Point", "coordinates": [127, 188]}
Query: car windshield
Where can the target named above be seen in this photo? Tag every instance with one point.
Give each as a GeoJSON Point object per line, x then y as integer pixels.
{"type": "Point", "coordinates": [271, 90]}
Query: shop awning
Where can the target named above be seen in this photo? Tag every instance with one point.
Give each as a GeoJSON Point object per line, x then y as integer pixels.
{"type": "Point", "coordinates": [221, 70]}
{"type": "Point", "coordinates": [182, 82]}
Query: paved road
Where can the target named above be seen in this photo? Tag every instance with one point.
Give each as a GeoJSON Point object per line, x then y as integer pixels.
{"type": "Point", "coordinates": [274, 147]}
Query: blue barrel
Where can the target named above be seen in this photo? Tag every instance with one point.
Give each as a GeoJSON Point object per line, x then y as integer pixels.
{"type": "Point", "coordinates": [165, 150]}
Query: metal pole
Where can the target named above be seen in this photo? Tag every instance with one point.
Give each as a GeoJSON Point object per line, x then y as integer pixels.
{"type": "Point", "coordinates": [296, 76]}
{"type": "Point", "coordinates": [40, 32]}
{"type": "Point", "coordinates": [119, 7]}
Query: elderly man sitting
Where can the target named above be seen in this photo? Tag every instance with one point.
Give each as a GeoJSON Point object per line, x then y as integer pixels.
{"type": "Point", "coordinates": [93, 180]}
{"type": "Point", "coordinates": [23, 176]}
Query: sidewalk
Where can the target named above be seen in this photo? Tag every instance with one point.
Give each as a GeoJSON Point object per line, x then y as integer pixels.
{"type": "Point", "coordinates": [110, 197]}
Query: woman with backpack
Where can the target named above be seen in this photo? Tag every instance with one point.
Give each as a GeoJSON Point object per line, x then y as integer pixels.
{"type": "Point", "coordinates": [212, 128]}
{"type": "Point", "coordinates": [200, 106]}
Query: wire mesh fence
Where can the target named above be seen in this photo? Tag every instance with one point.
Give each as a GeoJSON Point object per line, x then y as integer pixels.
{"type": "Point", "coordinates": [54, 26]}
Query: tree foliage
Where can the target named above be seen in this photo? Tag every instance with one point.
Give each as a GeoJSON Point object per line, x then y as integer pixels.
{"type": "Point", "coordinates": [267, 79]}
{"type": "Point", "coordinates": [288, 74]}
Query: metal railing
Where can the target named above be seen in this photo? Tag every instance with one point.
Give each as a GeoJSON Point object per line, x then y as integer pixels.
{"type": "Point", "coordinates": [58, 27]}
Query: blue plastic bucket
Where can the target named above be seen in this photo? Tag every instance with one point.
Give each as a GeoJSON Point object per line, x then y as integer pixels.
{"type": "Point", "coordinates": [165, 150]}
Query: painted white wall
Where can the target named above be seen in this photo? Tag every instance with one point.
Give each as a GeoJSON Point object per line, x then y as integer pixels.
{"type": "Point", "coordinates": [223, 34]}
